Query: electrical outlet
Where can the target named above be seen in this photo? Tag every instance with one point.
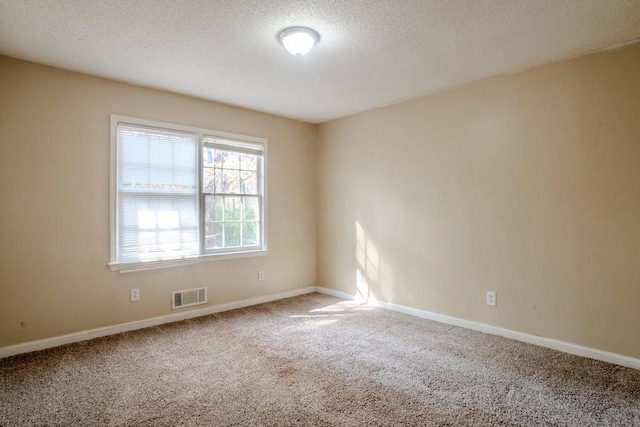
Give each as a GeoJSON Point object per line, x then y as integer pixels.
{"type": "Point", "coordinates": [135, 295]}
{"type": "Point", "coordinates": [260, 276]}
{"type": "Point", "coordinates": [492, 298]}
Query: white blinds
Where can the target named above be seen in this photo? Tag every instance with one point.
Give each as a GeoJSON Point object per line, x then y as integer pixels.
{"type": "Point", "coordinates": [234, 145]}
{"type": "Point", "coordinates": [156, 194]}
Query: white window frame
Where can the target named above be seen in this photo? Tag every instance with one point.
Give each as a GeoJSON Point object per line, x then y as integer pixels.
{"type": "Point", "coordinates": [202, 134]}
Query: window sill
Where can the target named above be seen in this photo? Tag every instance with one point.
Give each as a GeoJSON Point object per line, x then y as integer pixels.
{"type": "Point", "coordinates": [129, 267]}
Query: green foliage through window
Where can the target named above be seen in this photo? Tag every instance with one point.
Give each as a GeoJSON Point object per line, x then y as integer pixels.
{"type": "Point", "coordinates": [232, 199]}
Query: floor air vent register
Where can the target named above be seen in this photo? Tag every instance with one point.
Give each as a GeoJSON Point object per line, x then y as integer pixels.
{"type": "Point", "coordinates": [188, 297]}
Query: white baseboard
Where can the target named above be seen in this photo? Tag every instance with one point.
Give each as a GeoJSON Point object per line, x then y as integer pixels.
{"type": "Point", "coordinates": [140, 324]}
{"type": "Point", "coordinates": [577, 350]}
{"type": "Point", "coordinates": [565, 347]}
{"type": "Point", "coordinates": [334, 293]}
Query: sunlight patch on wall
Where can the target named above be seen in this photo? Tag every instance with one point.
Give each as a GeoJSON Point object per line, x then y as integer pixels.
{"type": "Point", "coordinates": [368, 265]}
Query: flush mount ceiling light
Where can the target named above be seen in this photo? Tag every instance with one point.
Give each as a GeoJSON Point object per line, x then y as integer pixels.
{"type": "Point", "coordinates": [298, 40]}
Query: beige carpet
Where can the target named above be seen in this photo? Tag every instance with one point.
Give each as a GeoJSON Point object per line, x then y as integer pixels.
{"type": "Point", "coordinates": [318, 361]}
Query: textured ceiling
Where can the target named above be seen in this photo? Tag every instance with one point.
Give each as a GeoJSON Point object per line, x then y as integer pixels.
{"type": "Point", "coordinates": [371, 53]}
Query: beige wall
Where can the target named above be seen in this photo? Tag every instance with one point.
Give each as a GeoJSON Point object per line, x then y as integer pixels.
{"type": "Point", "coordinates": [54, 204]}
{"type": "Point", "coordinates": [526, 184]}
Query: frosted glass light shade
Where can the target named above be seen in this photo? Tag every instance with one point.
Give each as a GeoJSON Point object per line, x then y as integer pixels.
{"type": "Point", "coordinates": [299, 40]}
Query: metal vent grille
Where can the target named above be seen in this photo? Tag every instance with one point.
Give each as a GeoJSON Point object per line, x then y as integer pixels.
{"type": "Point", "coordinates": [188, 297]}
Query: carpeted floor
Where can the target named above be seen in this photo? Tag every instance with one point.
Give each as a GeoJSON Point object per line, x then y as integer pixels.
{"type": "Point", "coordinates": [318, 361]}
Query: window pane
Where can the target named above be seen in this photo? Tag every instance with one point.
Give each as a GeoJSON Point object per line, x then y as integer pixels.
{"type": "Point", "coordinates": [157, 190]}
{"type": "Point", "coordinates": [217, 178]}
{"type": "Point", "coordinates": [208, 180]}
{"type": "Point", "coordinates": [249, 182]}
{"type": "Point", "coordinates": [213, 235]}
{"type": "Point", "coordinates": [231, 160]}
{"type": "Point", "coordinates": [250, 208]}
{"type": "Point", "coordinates": [156, 227]}
{"type": "Point", "coordinates": [232, 208]}
{"type": "Point", "coordinates": [213, 208]}
{"type": "Point", "coordinates": [207, 157]}
{"type": "Point", "coordinates": [156, 162]}
{"type": "Point", "coordinates": [232, 232]}
{"type": "Point", "coordinates": [218, 157]}
{"type": "Point", "coordinates": [248, 162]}
{"type": "Point", "coordinates": [230, 181]}
{"type": "Point", "coordinates": [250, 233]}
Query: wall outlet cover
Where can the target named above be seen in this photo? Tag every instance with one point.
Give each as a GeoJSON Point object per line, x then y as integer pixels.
{"type": "Point", "coordinates": [492, 298]}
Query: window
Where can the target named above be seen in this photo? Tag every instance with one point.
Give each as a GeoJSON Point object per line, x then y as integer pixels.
{"type": "Point", "coordinates": [182, 194]}
{"type": "Point", "coordinates": [232, 177]}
